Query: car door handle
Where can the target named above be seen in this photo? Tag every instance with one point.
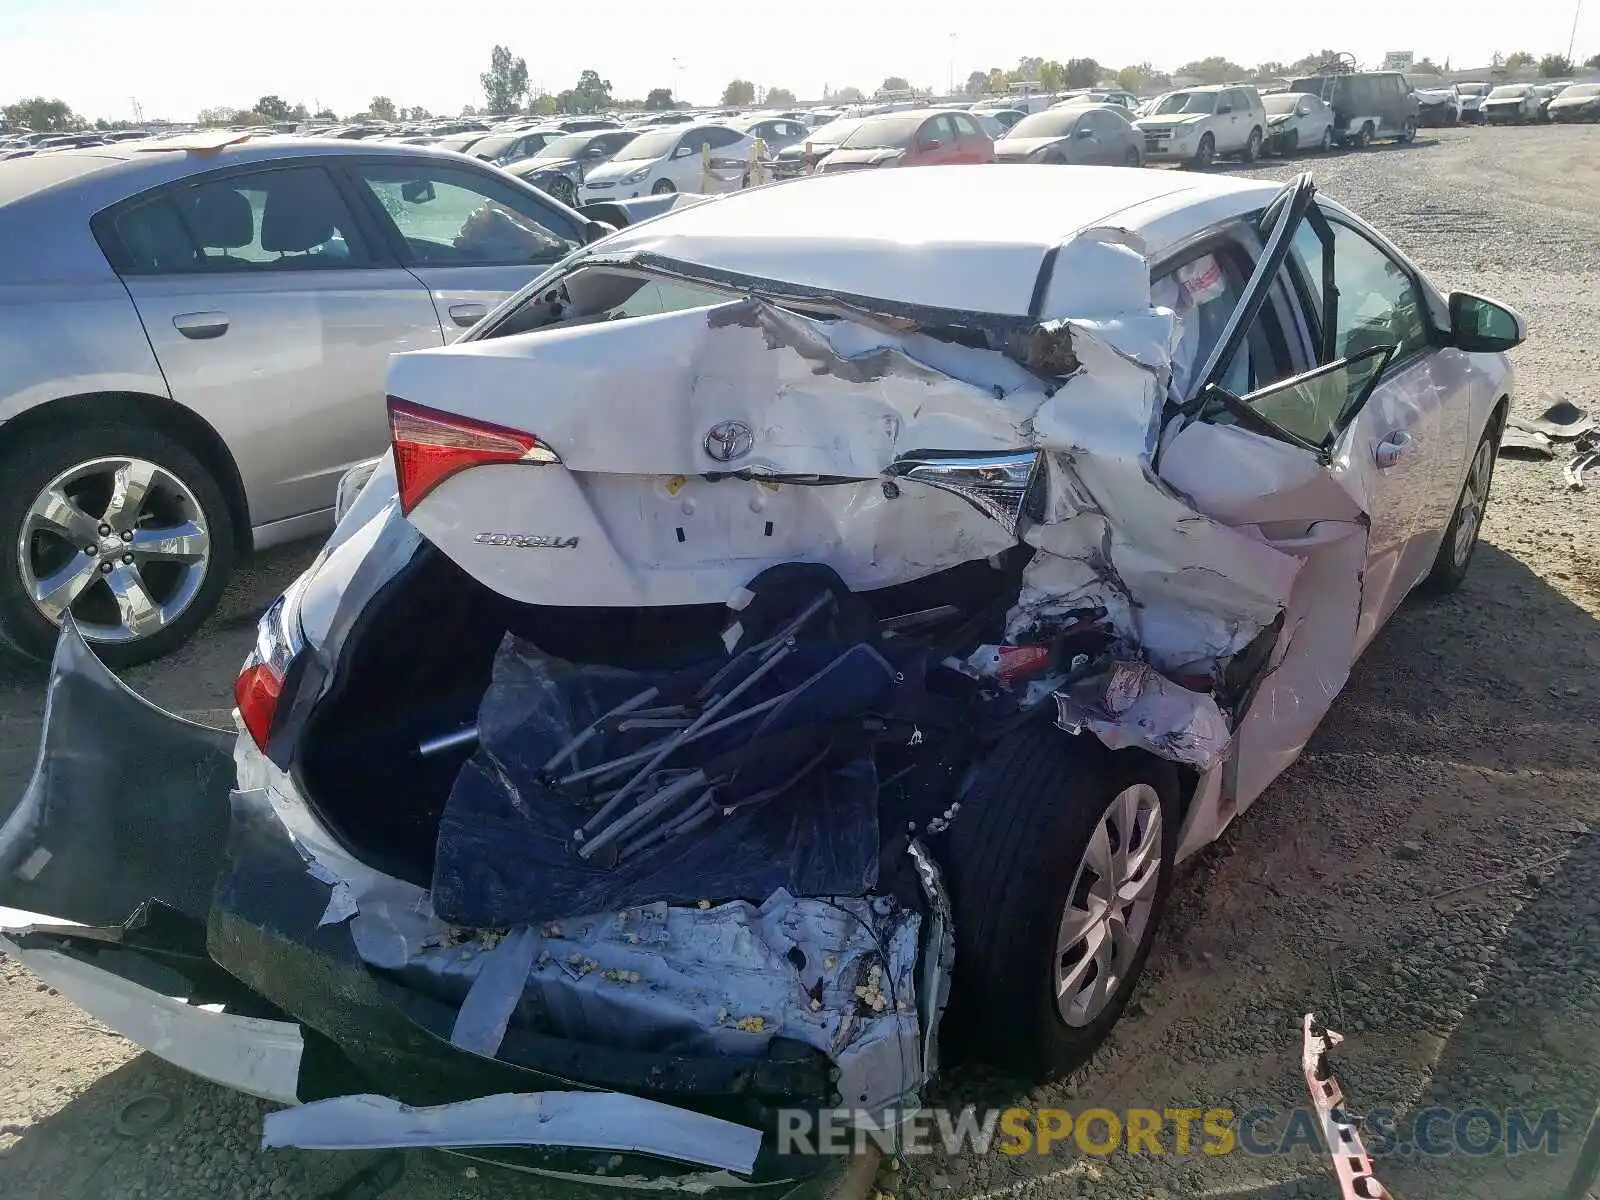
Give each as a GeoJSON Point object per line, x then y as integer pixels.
{"type": "Point", "coordinates": [468, 314]}
{"type": "Point", "coordinates": [1392, 449]}
{"type": "Point", "coordinates": [201, 325]}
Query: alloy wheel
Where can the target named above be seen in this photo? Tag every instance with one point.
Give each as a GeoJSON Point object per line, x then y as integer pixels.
{"type": "Point", "coordinates": [120, 543]}
{"type": "Point", "coordinates": [1474, 496]}
{"type": "Point", "coordinates": [1109, 905]}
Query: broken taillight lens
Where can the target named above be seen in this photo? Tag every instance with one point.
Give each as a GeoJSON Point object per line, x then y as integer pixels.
{"type": "Point", "coordinates": [430, 446]}
{"type": "Point", "coordinates": [260, 683]}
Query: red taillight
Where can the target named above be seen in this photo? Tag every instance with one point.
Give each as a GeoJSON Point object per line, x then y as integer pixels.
{"type": "Point", "coordinates": [256, 692]}
{"type": "Point", "coordinates": [430, 446]}
{"type": "Point", "coordinates": [279, 641]}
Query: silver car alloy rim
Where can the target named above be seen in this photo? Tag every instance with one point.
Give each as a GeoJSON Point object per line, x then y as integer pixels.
{"type": "Point", "coordinates": [119, 542]}
{"type": "Point", "coordinates": [1108, 907]}
{"type": "Point", "coordinates": [1473, 497]}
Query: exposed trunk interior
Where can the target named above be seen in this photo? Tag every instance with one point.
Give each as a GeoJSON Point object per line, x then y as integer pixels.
{"type": "Point", "coordinates": [418, 663]}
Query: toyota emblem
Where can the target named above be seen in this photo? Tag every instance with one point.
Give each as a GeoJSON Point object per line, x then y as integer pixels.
{"type": "Point", "coordinates": [729, 440]}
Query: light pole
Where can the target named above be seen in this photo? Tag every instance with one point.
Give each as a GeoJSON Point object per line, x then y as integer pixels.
{"type": "Point", "coordinates": [953, 61]}
{"type": "Point", "coordinates": [1573, 38]}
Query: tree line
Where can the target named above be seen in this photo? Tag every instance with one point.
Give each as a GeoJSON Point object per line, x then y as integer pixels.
{"type": "Point", "coordinates": [507, 90]}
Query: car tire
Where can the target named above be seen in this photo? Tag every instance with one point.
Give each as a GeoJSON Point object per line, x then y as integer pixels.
{"type": "Point", "coordinates": [662, 187]}
{"type": "Point", "coordinates": [1019, 870]}
{"type": "Point", "coordinates": [1408, 132]}
{"type": "Point", "coordinates": [564, 190]}
{"type": "Point", "coordinates": [1466, 522]}
{"type": "Point", "coordinates": [86, 459]}
{"type": "Point", "coordinates": [1252, 147]}
{"type": "Point", "coordinates": [1205, 153]}
{"type": "Point", "coordinates": [1326, 145]}
{"type": "Point", "coordinates": [1132, 158]}
{"type": "Point", "coordinates": [1364, 138]}
{"type": "Point", "coordinates": [1291, 143]}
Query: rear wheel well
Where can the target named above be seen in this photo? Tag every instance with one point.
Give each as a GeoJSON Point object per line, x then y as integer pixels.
{"type": "Point", "coordinates": [174, 420]}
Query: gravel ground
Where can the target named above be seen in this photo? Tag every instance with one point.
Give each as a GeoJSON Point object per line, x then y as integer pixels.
{"type": "Point", "coordinates": [1427, 876]}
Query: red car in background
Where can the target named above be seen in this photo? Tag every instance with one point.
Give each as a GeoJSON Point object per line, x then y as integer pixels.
{"type": "Point", "coordinates": [918, 138]}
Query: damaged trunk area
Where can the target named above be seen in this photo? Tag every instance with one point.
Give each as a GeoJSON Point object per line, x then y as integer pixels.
{"type": "Point", "coordinates": [690, 832]}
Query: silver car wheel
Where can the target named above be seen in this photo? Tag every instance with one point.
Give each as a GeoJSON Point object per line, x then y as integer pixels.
{"type": "Point", "coordinates": [121, 543]}
{"type": "Point", "coordinates": [1109, 905]}
{"type": "Point", "coordinates": [1474, 495]}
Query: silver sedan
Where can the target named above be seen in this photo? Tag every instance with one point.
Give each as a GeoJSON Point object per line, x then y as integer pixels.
{"type": "Point", "coordinates": [193, 339]}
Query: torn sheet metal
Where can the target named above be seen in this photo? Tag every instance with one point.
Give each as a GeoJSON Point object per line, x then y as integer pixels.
{"type": "Point", "coordinates": [837, 975]}
{"type": "Point", "coordinates": [831, 407]}
{"type": "Point", "coordinates": [587, 1120]}
{"type": "Point", "coordinates": [1134, 705]}
{"type": "Point", "coordinates": [1351, 1163]}
{"type": "Point", "coordinates": [248, 1054]}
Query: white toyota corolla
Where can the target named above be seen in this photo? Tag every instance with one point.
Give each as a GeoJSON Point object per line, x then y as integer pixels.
{"type": "Point", "coordinates": [794, 630]}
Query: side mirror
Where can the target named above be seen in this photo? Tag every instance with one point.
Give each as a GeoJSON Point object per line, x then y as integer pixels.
{"type": "Point", "coordinates": [1480, 326]}
{"type": "Point", "coordinates": [684, 151]}
{"type": "Point", "coordinates": [417, 191]}
{"type": "Point", "coordinates": [593, 231]}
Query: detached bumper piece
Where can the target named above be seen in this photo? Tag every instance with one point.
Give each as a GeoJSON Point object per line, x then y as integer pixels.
{"type": "Point", "coordinates": [1351, 1164]}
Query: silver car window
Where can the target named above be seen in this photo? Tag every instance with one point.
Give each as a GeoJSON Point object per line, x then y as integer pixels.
{"type": "Point", "coordinates": [449, 216]}
{"type": "Point", "coordinates": [1379, 303]}
{"type": "Point", "coordinates": [288, 218]}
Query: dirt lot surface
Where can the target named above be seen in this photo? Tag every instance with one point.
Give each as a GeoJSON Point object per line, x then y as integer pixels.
{"type": "Point", "coordinates": [1427, 877]}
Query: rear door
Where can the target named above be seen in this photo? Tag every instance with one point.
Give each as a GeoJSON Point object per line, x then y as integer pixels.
{"type": "Point", "coordinates": [273, 308]}
{"type": "Point", "coordinates": [471, 237]}
{"type": "Point", "coordinates": [1292, 459]}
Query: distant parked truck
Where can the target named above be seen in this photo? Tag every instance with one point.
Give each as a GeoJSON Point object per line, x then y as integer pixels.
{"type": "Point", "coordinates": [1367, 105]}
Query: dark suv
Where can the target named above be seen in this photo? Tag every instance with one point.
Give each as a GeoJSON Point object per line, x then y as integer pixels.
{"type": "Point", "coordinates": [1366, 104]}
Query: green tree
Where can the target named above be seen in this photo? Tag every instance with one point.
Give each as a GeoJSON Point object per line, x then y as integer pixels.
{"type": "Point", "coordinates": [1215, 69]}
{"type": "Point", "coordinates": [1426, 66]}
{"type": "Point", "coordinates": [1052, 76]}
{"type": "Point", "coordinates": [780, 98]}
{"type": "Point", "coordinates": [896, 83]}
{"type": "Point", "coordinates": [1303, 66]}
{"type": "Point", "coordinates": [43, 115]}
{"type": "Point", "coordinates": [977, 83]}
{"type": "Point", "coordinates": [849, 95]}
{"type": "Point", "coordinates": [381, 109]}
{"type": "Point", "coordinates": [505, 83]}
{"type": "Point", "coordinates": [222, 114]}
{"type": "Point", "coordinates": [1082, 73]}
{"type": "Point", "coordinates": [997, 81]}
{"type": "Point", "coordinates": [739, 92]}
{"type": "Point", "coordinates": [1594, 63]}
{"type": "Point", "coordinates": [1027, 69]}
{"type": "Point", "coordinates": [1269, 70]}
{"type": "Point", "coordinates": [253, 117]}
{"type": "Point", "coordinates": [592, 93]}
{"type": "Point", "coordinates": [543, 106]}
{"type": "Point", "coordinates": [659, 99]}
{"type": "Point", "coordinates": [1554, 66]}
{"type": "Point", "coordinates": [1518, 59]}
{"type": "Point", "coordinates": [299, 113]}
{"type": "Point", "coordinates": [322, 114]}
{"type": "Point", "coordinates": [274, 108]}
{"type": "Point", "coordinates": [1133, 78]}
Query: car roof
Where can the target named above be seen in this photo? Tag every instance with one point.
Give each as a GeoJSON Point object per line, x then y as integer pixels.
{"type": "Point", "coordinates": [98, 176]}
{"type": "Point", "coordinates": [959, 237]}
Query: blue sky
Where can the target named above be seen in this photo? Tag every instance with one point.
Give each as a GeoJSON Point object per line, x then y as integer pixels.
{"type": "Point", "coordinates": [178, 56]}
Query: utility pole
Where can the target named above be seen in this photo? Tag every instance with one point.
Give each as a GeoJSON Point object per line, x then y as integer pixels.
{"type": "Point", "coordinates": [1572, 40]}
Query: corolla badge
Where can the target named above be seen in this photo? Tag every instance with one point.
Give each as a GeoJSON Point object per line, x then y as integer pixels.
{"type": "Point", "coordinates": [527, 541]}
{"type": "Point", "coordinates": [728, 440]}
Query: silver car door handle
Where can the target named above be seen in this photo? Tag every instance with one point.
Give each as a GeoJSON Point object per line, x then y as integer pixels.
{"type": "Point", "coordinates": [468, 314]}
{"type": "Point", "coordinates": [201, 325]}
{"type": "Point", "coordinates": [1392, 448]}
